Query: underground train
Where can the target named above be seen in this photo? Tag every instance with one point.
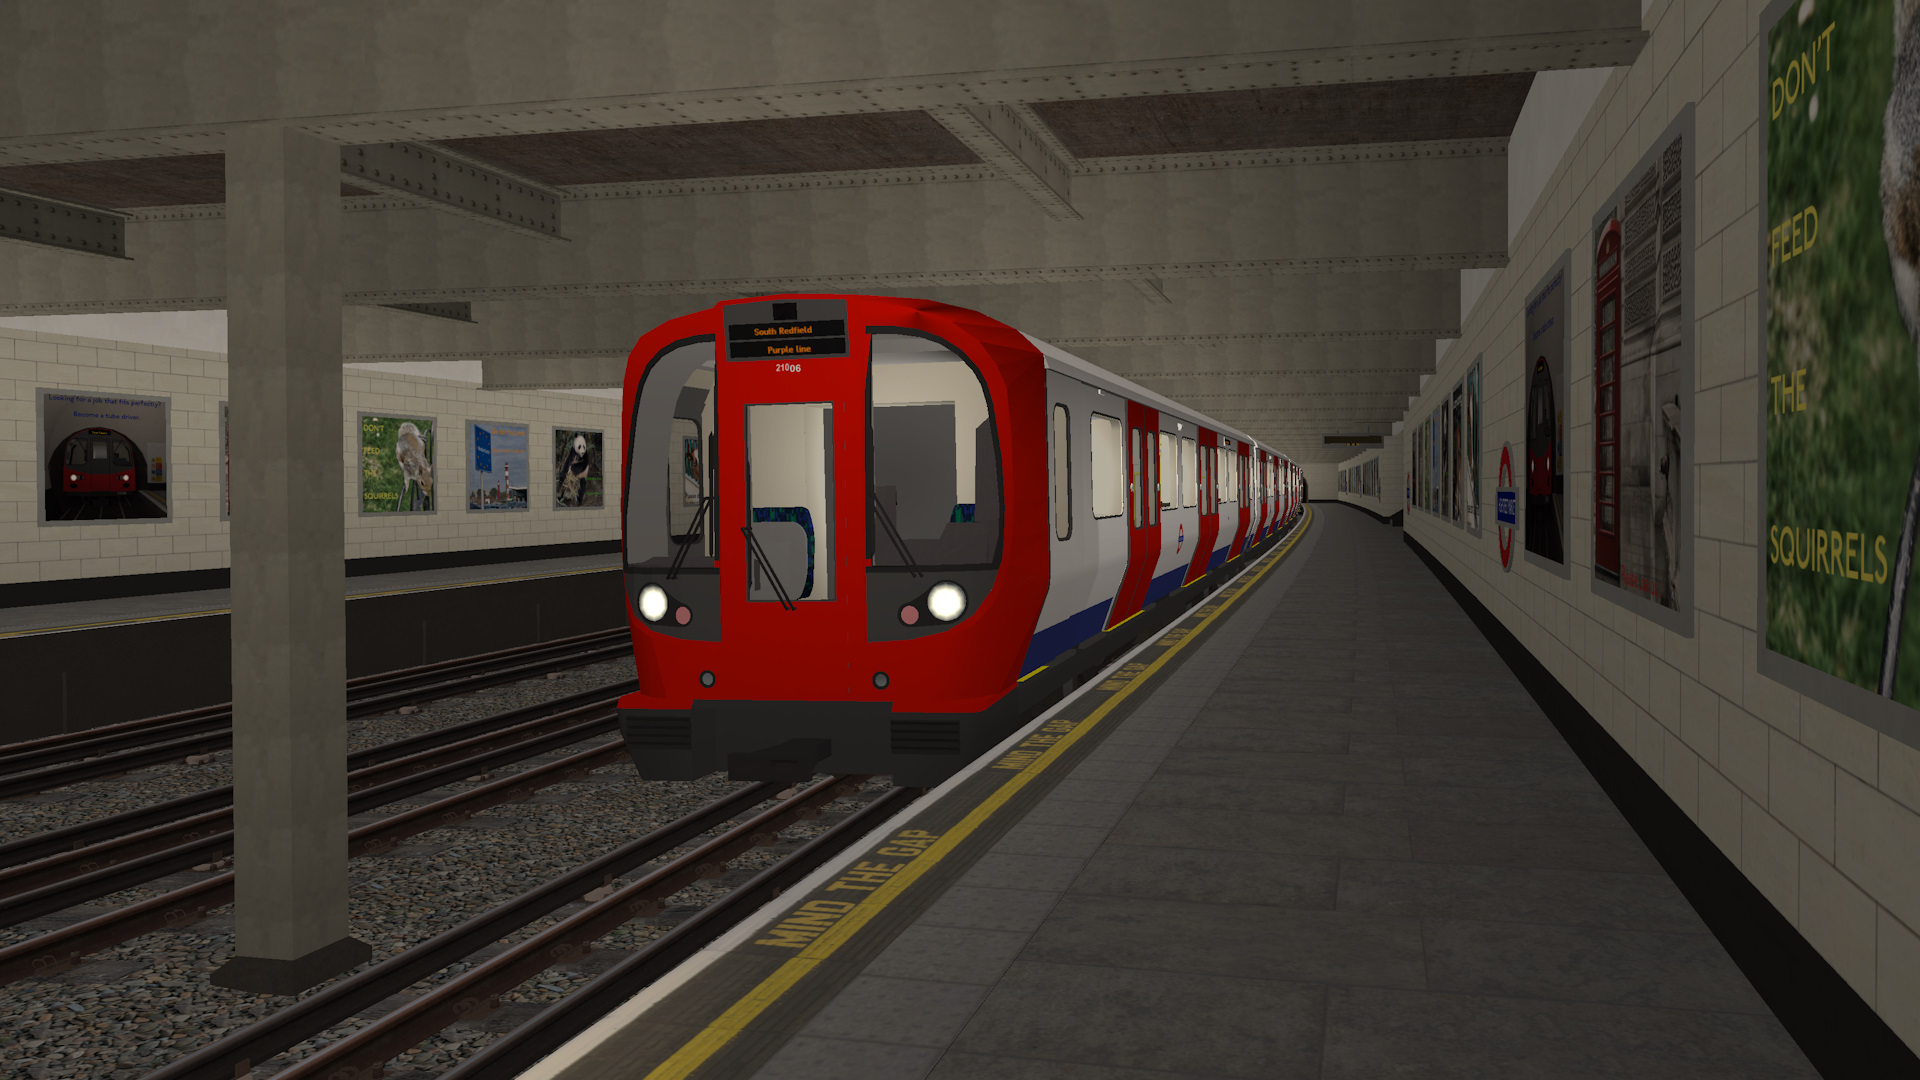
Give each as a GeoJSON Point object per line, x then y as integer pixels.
{"type": "Point", "coordinates": [95, 461]}
{"type": "Point", "coordinates": [871, 534]}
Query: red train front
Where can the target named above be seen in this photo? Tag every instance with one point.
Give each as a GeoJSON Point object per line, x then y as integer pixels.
{"type": "Point", "coordinates": [95, 461]}
{"type": "Point", "coordinates": [829, 562]}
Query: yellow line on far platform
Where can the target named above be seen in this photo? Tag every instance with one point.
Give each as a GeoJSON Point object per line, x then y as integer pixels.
{"type": "Point", "coordinates": [731, 1023]}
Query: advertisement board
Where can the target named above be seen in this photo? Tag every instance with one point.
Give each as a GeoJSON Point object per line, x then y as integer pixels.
{"type": "Point", "coordinates": [1839, 93]}
{"type": "Point", "coordinates": [1544, 524]}
{"type": "Point", "coordinates": [1643, 389]}
{"type": "Point", "coordinates": [579, 469]}
{"type": "Point", "coordinates": [497, 473]}
{"type": "Point", "coordinates": [102, 457]}
{"type": "Point", "coordinates": [396, 464]}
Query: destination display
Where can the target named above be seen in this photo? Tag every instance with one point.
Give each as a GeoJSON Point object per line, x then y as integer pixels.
{"type": "Point", "coordinates": [754, 341]}
{"type": "Point", "coordinates": [786, 329]}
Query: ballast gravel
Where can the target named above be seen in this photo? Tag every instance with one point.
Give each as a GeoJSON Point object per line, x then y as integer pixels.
{"type": "Point", "coordinates": [135, 1007]}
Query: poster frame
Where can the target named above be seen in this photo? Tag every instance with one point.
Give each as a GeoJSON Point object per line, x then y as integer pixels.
{"type": "Point", "coordinates": [1885, 715]}
{"type": "Point", "coordinates": [466, 468]}
{"type": "Point", "coordinates": [603, 469]}
{"type": "Point", "coordinates": [360, 476]}
{"type": "Point", "coordinates": [42, 449]}
{"type": "Point", "coordinates": [226, 467]}
{"type": "Point", "coordinates": [1475, 443]}
{"type": "Point", "coordinates": [1679, 619]}
{"type": "Point", "coordinates": [1562, 266]}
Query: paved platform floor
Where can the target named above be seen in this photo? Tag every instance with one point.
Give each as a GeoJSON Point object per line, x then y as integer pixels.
{"type": "Point", "coordinates": [1340, 842]}
{"type": "Point", "coordinates": [88, 614]}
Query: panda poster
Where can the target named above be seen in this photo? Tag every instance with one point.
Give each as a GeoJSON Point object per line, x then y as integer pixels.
{"type": "Point", "coordinates": [579, 476]}
{"type": "Point", "coordinates": [497, 474]}
{"type": "Point", "coordinates": [102, 457]}
{"type": "Point", "coordinates": [1839, 89]}
{"type": "Point", "coordinates": [1545, 374]}
{"type": "Point", "coordinates": [1642, 365]}
{"type": "Point", "coordinates": [396, 464]}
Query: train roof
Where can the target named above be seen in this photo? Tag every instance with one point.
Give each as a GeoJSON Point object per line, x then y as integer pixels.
{"type": "Point", "coordinates": [1094, 375]}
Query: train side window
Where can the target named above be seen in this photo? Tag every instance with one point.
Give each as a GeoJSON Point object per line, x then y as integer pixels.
{"type": "Point", "coordinates": [1062, 474]}
{"type": "Point", "coordinates": [1169, 465]}
{"type": "Point", "coordinates": [1109, 467]}
{"type": "Point", "coordinates": [1187, 485]}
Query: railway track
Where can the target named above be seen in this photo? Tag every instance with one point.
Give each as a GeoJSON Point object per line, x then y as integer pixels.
{"type": "Point", "coordinates": [58, 760]}
{"type": "Point", "coordinates": [56, 882]}
{"type": "Point", "coordinates": [476, 992]}
{"type": "Point", "coordinates": [362, 766]}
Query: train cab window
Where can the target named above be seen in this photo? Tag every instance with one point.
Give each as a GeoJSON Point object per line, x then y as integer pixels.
{"type": "Point", "coordinates": [1169, 464]}
{"type": "Point", "coordinates": [122, 454]}
{"type": "Point", "coordinates": [1109, 475]}
{"type": "Point", "coordinates": [933, 466]}
{"type": "Point", "coordinates": [1062, 474]}
{"type": "Point", "coordinates": [789, 519]}
{"type": "Point", "coordinates": [77, 452]}
{"type": "Point", "coordinates": [669, 475]}
{"type": "Point", "coordinates": [1187, 479]}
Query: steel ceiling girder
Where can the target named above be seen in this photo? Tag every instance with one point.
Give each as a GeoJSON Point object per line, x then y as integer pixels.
{"type": "Point", "coordinates": [44, 222]}
{"type": "Point", "coordinates": [434, 178]}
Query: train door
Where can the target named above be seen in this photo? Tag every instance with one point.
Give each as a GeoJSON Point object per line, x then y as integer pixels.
{"type": "Point", "coordinates": [1143, 511]}
{"type": "Point", "coordinates": [1207, 534]}
{"type": "Point", "coordinates": [1243, 509]}
{"type": "Point", "coordinates": [793, 509]}
{"type": "Point", "coordinates": [1606, 403]}
{"type": "Point", "coordinates": [1262, 511]}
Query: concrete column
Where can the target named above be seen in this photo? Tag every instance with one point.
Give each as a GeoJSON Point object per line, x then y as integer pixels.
{"type": "Point", "coordinates": [289, 563]}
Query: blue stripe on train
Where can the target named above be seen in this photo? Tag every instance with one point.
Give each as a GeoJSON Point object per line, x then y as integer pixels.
{"type": "Point", "coordinates": [1165, 583]}
{"type": "Point", "coordinates": [1064, 635]}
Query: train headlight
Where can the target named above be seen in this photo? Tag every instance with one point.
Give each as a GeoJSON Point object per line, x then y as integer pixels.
{"type": "Point", "coordinates": [653, 603]}
{"type": "Point", "coordinates": [946, 601]}
{"type": "Point", "coordinates": [75, 477]}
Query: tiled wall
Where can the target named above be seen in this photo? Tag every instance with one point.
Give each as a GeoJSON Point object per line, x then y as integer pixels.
{"type": "Point", "coordinates": [1820, 811]}
{"type": "Point", "coordinates": [1391, 498]}
{"type": "Point", "coordinates": [196, 538]}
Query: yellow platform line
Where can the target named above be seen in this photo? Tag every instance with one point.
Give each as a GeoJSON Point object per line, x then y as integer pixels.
{"type": "Point", "coordinates": [731, 1023]}
{"type": "Point", "coordinates": [171, 616]}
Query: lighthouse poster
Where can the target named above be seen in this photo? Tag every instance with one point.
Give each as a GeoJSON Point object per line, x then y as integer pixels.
{"type": "Point", "coordinates": [496, 466]}
{"type": "Point", "coordinates": [1838, 86]}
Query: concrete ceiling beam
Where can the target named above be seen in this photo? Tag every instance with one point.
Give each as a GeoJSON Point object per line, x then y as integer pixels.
{"type": "Point", "coordinates": [1360, 217]}
{"type": "Point", "coordinates": [103, 80]}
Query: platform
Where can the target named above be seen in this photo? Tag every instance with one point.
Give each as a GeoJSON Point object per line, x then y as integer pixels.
{"type": "Point", "coordinates": [1318, 829]}
{"type": "Point", "coordinates": [93, 614]}
{"type": "Point", "coordinates": [172, 651]}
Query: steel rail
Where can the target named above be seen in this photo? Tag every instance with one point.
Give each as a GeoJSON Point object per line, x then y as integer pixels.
{"type": "Point", "coordinates": [114, 763]}
{"type": "Point", "coordinates": [54, 841]}
{"type": "Point", "coordinates": [67, 865]}
{"type": "Point", "coordinates": [237, 1052]}
{"type": "Point", "coordinates": [66, 891]}
{"type": "Point", "coordinates": [57, 950]}
{"type": "Point", "coordinates": [10, 751]}
{"type": "Point", "coordinates": [476, 992]}
{"type": "Point", "coordinates": [214, 733]}
{"type": "Point", "coordinates": [518, 1050]}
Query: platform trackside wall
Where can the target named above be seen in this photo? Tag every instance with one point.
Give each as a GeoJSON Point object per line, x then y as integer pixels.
{"type": "Point", "coordinates": [1819, 810]}
{"type": "Point", "coordinates": [196, 538]}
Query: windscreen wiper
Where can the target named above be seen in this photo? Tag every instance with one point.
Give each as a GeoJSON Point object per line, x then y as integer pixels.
{"type": "Point", "coordinates": [893, 534]}
{"type": "Point", "coordinates": [686, 542]}
{"type": "Point", "coordinates": [753, 549]}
